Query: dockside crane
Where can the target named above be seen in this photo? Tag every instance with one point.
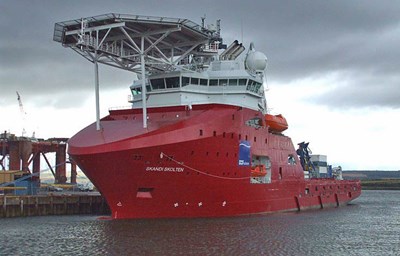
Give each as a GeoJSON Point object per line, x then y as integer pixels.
{"type": "Point", "coordinates": [23, 113]}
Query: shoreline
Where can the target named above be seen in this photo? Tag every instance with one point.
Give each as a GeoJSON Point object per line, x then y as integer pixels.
{"type": "Point", "coordinates": [381, 184]}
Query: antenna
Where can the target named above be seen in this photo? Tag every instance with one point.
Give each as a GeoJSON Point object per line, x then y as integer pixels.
{"type": "Point", "coordinates": [218, 27]}
{"type": "Point", "coordinates": [241, 29]}
{"type": "Point", "coordinates": [203, 25]}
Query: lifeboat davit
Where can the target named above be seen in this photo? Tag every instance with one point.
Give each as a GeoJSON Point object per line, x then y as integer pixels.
{"type": "Point", "coordinates": [276, 123]}
{"type": "Point", "coordinates": [258, 171]}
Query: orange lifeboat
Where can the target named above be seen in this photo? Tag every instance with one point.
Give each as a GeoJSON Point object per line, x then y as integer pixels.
{"type": "Point", "coordinates": [276, 123]}
{"type": "Point", "coordinates": [258, 171]}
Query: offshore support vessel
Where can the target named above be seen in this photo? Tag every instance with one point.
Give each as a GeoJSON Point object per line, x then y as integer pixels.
{"type": "Point", "coordinates": [197, 140]}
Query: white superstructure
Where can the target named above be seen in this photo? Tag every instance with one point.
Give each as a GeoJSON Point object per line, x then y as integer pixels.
{"type": "Point", "coordinates": [223, 81]}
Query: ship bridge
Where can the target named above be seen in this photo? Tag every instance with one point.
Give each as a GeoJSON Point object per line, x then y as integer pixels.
{"type": "Point", "coordinates": [232, 86]}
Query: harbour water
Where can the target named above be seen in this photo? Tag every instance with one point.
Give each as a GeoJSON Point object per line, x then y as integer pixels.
{"type": "Point", "coordinates": [370, 225]}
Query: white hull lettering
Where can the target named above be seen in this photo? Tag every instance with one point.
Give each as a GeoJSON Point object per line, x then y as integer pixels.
{"type": "Point", "coordinates": [164, 169]}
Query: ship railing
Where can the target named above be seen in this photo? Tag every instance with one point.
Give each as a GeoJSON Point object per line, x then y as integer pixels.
{"type": "Point", "coordinates": [213, 47]}
{"type": "Point", "coordinates": [112, 48]}
{"type": "Point", "coordinates": [120, 108]}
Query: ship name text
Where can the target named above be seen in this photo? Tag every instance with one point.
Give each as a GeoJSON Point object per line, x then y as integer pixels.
{"type": "Point", "coordinates": [164, 169]}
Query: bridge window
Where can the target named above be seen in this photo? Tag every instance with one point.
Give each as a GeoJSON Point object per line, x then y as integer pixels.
{"type": "Point", "coordinates": [194, 81]}
{"type": "Point", "coordinates": [137, 91]}
{"type": "Point", "coordinates": [213, 82]}
{"type": "Point", "coordinates": [203, 82]}
{"type": "Point", "coordinates": [172, 82]}
{"type": "Point", "coordinates": [185, 81]}
{"type": "Point", "coordinates": [233, 82]}
{"type": "Point", "coordinates": [242, 82]}
{"type": "Point", "coordinates": [253, 86]}
{"type": "Point", "coordinates": [158, 83]}
{"type": "Point", "coordinates": [257, 87]}
{"type": "Point", "coordinates": [249, 84]}
{"type": "Point", "coordinates": [223, 82]}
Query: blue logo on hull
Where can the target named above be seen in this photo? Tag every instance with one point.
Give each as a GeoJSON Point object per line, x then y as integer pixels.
{"type": "Point", "coordinates": [244, 153]}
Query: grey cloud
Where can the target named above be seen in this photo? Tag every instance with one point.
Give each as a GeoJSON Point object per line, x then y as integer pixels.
{"type": "Point", "coordinates": [302, 39]}
{"type": "Point", "coordinates": [369, 90]}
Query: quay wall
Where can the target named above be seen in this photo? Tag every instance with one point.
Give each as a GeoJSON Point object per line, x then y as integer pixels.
{"type": "Point", "coordinates": [53, 204]}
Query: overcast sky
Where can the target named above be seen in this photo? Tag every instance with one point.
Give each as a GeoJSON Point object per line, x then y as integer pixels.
{"type": "Point", "coordinates": [333, 69]}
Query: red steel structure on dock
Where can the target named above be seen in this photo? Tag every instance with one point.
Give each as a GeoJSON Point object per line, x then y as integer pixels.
{"type": "Point", "coordinates": [197, 140]}
{"type": "Point", "coordinates": [23, 152]}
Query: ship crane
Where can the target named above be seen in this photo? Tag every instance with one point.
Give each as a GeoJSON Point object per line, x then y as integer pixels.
{"type": "Point", "coordinates": [304, 154]}
{"type": "Point", "coordinates": [23, 115]}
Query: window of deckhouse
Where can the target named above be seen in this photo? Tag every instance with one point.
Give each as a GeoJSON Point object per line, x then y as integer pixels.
{"type": "Point", "coordinates": [223, 82]}
{"type": "Point", "coordinates": [242, 82]}
{"type": "Point", "coordinates": [203, 82]}
{"type": "Point", "coordinates": [185, 81]}
{"type": "Point", "coordinates": [172, 82]}
{"type": "Point", "coordinates": [213, 82]}
{"type": "Point", "coordinates": [137, 91]}
{"type": "Point", "coordinates": [250, 84]}
{"type": "Point", "coordinates": [257, 87]}
{"type": "Point", "coordinates": [233, 82]}
{"type": "Point", "coordinates": [194, 81]}
{"type": "Point", "coordinates": [157, 83]}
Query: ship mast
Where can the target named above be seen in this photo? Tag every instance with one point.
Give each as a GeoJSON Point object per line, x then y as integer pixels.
{"type": "Point", "coordinates": [140, 44]}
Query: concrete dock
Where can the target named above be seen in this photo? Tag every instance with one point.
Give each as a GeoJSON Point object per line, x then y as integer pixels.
{"type": "Point", "coordinates": [53, 204]}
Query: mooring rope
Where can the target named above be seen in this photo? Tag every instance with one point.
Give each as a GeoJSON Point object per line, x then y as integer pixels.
{"type": "Point", "coordinates": [162, 154]}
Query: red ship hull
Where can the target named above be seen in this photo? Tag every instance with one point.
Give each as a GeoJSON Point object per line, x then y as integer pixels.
{"type": "Point", "coordinates": [185, 164]}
